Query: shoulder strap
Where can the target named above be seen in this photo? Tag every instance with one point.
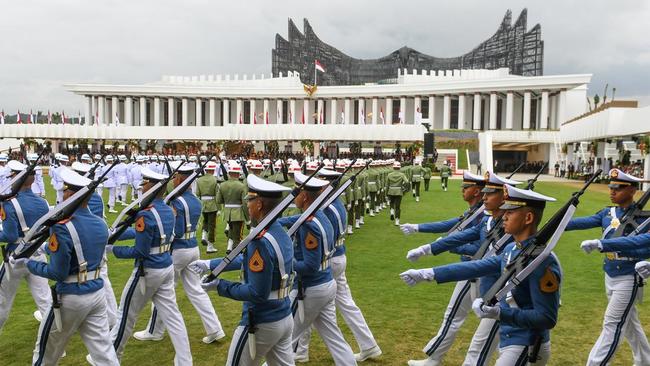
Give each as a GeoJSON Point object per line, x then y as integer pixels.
{"type": "Point", "coordinates": [326, 247]}
{"type": "Point", "coordinates": [186, 208]}
{"type": "Point", "coordinates": [20, 214]}
{"type": "Point", "coordinates": [76, 242]}
{"type": "Point", "coordinates": [161, 229]}
{"type": "Point", "coordinates": [278, 253]}
{"type": "Point", "coordinates": [610, 227]}
{"type": "Point", "coordinates": [338, 218]}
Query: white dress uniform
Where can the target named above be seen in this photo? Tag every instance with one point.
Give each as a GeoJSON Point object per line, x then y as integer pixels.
{"type": "Point", "coordinates": [121, 172]}
{"type": "Point", "coordinates": [110, 183]}
{"type": "Point", "coordinates": [56, 181]}
{"type": "Point", "coordinates": [4, 172]}
{"type": "Point", "coordinates": [135, 174]}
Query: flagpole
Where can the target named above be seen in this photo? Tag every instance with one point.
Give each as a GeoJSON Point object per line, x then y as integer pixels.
{"type": "Point", "coordinates": [315, 73]}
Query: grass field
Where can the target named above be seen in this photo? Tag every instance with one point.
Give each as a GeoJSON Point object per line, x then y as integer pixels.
{"type": "Point", "coordinates": [402, 318]}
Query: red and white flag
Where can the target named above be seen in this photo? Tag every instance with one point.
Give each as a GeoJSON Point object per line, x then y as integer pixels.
{"type": "Point", "coordinates": [2, 117]}
{"type": "Point", "coordinates": [79, 118]}
{"type": "Point", "coordinates": [290, 117]}
{"type": "Point", "coordinates": [49, 117]}
{"type": "Point", "coordinates": [267, 118]}
{"type": "Point", "coordinates": [30, 120]}
{"type": "Point", "coordinates": [18, 121]}
{"type": "Point", "coordinates": [381, 115]}
{"type": "Point", "coordinates": [63, 117]}
{"type": "Point", "coordinates": [254, 121]}
{"type": "Point", "coordinates": [279, 117]}
{"type": "Point", "coordinates": [319, 67]}
{"type": "Point", "coordinates": [321, 116]}
{"type": "Point", "coordinates": [303, 117]}
{"type": "Point", "coordinates": [342, 116]}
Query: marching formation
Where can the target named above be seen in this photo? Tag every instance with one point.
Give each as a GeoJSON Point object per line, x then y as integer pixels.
{"type": "Point", "coordinates": [286, 224]}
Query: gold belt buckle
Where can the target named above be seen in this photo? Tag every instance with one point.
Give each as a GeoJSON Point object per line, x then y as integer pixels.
{"type": "Point", "coordinates": [611, 256]}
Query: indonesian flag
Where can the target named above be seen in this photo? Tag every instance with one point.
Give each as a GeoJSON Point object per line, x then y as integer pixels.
{"type": "Point", "coordinates": [79, 118]}
{"type": "Point", "coordinates": [418, 115]}
{"type": "Point", "coordinates": [319, 67]}
{"type": "Point", "coordinates": [321, 116]}
{"type": "Point", "coordinates": [254, 118]}
{"type": "Point", "coordinates": [303, 117]}
{"type": "Point", "coordinates": [18, 121]}
{"type": "Point", "coordinates": [381, 115]}
{"type": "Point", "coordinates": [63, 117]}
{"type": "Point", "coordinates": [117, 119]}
{"type": "Point", "coordinates": [290, 117]}
{"type": "Point", "coordinates": [266, 121]}
{"type": "Point", "coordinates": [400, 115]}
{"type": "Point", "coordinates": [97, 117]}
{"type": "Point", "coordinates": [241, 120]}
{"type": "Point", "coordinates": [362, 117]}
{"type": "Point", "coordinates": [30, 120]}
{"type": "Point", "coordinates": [49, 117]}
{"type": "Point", "coordinates": [278, 119]}
{"type": "Point", "coordinates": [342, 116]}
{"type": "Point", "coordinates": [2, 117]}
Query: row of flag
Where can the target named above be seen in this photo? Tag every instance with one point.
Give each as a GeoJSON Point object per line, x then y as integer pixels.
{"type": "Point", "coordinates": [321, 117]}
{"type": "Point", "coordinates": [32, 118]}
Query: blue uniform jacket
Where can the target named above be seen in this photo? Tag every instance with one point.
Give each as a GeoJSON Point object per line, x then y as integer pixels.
{"type": "Point", "coordinates": [195, 207]}
{"type": "Point", "coordinates": [259, 264]}
{"type": "Point", "coordinates": [635, 246]}
{"type": "Point", "coordinates": [147, 236]}
{"type": "Point", "coordinates": [310, 248]}
{"type": "Point", "coordinates": [603, 219]}
{"type": "Point", "coordinates": [33, 206]}
{"type": "Point", "coordinates": [338, 226]}
{"type": "Point", "coordinates": [93, 235]}
{"type": "Point", "coordinates": [537, 297]}
{"type": "Point", "coordinates": [465, 250]}
{"type": "Point", "coordinates": [96, 205]}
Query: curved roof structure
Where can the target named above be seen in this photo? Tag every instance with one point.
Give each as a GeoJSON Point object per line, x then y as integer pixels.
{"type": "Point", "coordinates": [511, 46]}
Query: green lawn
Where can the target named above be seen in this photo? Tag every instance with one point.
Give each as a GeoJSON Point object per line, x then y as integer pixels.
{"type": "Point", "coordinates": [402, 318]}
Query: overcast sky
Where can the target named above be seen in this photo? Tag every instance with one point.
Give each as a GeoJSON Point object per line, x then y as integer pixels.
{"type": "Point", "coordinates": [48, 43]}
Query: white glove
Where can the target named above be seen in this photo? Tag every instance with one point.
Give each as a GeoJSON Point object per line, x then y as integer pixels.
{"type": "Point", "coordinates": [200, 266]}
{"type": "Point", "coordinates": [20, 262]}
{"type": "Point", "coordinates": [589, 245]}
{"type": "Point", "coordinates": [109, 249]}
{"type": "Point", "coordinates": [42, 249]}
{"type": "Point", "coordinates": [212, 285]}
{"type": "Point", "coordinates": [485, 311]}
{"type": "Point", "coordinates": [409, 229]}
{"type": "Point", "coordinates": [643, 269]}
{"type": "Point", "coordinates": [349, 206]}
{"type": "Point", "coordinates": [418, 252]}
{"type": "Point", "coordinates": [414, 276]}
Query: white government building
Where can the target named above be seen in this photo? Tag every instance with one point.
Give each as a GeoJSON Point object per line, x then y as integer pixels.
{"type": "Point", "coordinates": [510, 112]}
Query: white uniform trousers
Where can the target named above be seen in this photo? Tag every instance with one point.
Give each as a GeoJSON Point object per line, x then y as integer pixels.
{"type": "Point", "coordinates": [621, 320]}
{"type": "Point", "coordinates": [111, 302]}
{"type": "Point", "coordinates": [347, 307]}
{"type": "Point", "coordinates": [459, 306]}
{"type": "Point", "coordinates": [59, 196]}
{"type": "Point", "coordinates": [272, 343]}
{"type": "Point", "coordinates": [123, 191]}
{"type": "Point", "coordinates": [83, 313]}
{"type": "Point", "coordinates": [136, 190]}
{"type": "Point", "coordinates": [195, 293]}
{"type": "Point", "coordinates": [319, 310]}
{"type": "Point", "coordinates": [484, 342]}
{"type": "Point", "coordinates": [100, 191]}
{"type": "Point", "coordinates": [10, 278]}
{"type": "Point", "coordinates": [159, 287]}
{"type": "Point", "coordinates": [518, 355]}
{"type": "Point", "coordinates": [112, 196]}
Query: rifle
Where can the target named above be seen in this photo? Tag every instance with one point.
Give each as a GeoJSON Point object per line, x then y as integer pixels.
{"type": "Point", "coordinates": [514, 171]}
{"type": "Point", "coordinates": [538, 249]}
{"type": "Point", "coordinates": [91, 172]}
{"type": "Point", "coordinates": [345, 184]}
{"type": "Point", "coordinates": [19, 179]}
{"type": "Point", "coordinates": [285, 171]}
{"type": "Point", "coordinates": [244, 169]}
{"type": "Point", "coordinates": [122, 223]}
{"type": "Point", "coordinates": [531, 182]}
{"type": "Point", "coordinates": [39, 232]}
{"type": "Point", "coordinates": [224, 171]}
{"type": "Point", "coordinates": [181, 188]}
{"type": "Point", "coordinates": [635, 211]}
{"type": "Point", "coordinates": [257, 230]}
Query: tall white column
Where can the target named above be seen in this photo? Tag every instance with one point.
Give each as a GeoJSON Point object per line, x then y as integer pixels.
{"type": "Point", "coordinates": [266, 118]}
{"type": "Point", "coordinates": [446, 112]}
{"type": "Point", "coordinates": [115, 110]}
{"type": "Point", "coordinates": [561, 110]}
{"type": "Point", "coordinates": [526, 117]}
{"type": "Point", "coordinates": [402, 109]}
{"type": "Point", "coordinates": [171, 111]}
{"type": "Point", "coordinates": [417, 110]}
{"type": "Point", "coordinates": [252, 117]}
{"type": "Point", "coordinates": [143, 111]}
{"type": "Point", "coordinates": [510, 109]}
{"type": "Point", "coordinates": [101, 104]}
{"type": "Point", "coordinates": [388, 116]}
{"type": "Point", "coordinates": [184, 112]}
{"type": "Point", "coordinates": [335, 114]}
{"type": "Point", "coordinates": [156, 111]}
{"type": "Point", "coordinates": [543, 119]}
{"type": "Point", "coordinates": [306, 113]}
{"type": "Point", "coordinates": [212, 112]}
{"type": "Point", "coordinates": [225, 119]}
{"type": "Point", "coordinates": [461, 111]}
{"type": "Point", "coordinates": [128, 111]}
{"type": "Point", "coordinates": [432, 110]}
{"type": "Point", "coordinates": [362, 111]}
{"type": "Point", "coordinates": [292, 111]}
{"type": "Point", "coordinates": [375, 110]}
{"type": "Point", "coordinates": [279, 115]}
{"type": "Point", "coordinates": [321, 114]}
{"type": "Point", "coordinates": [347, 111]}
{"type": "Point", "coordinates": [493, 111]}
{"type": "Point", "coordinates": [476, 123]}
{"type": "Point", "coordinates": [198, 112]}
{"type": "Point", "coordinates": [240, 111]}
{"type": "Point", "coordinates": [88, 112]}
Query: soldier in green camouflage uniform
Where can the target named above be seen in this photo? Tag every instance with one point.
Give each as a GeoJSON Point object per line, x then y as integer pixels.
{"type": "Point", "coordinates": [348, 196]}
{"type": "Point", "coordinates": [416, 179]}
{"type": "Point", "coordinates": [398, 183]}
{"type": "Point", "coordinates": [232, 194]}
{"type": "Point", "coordinates": [361, 193]}
{"type": "Point", "coordinates": [207, 190]}
{"type": "Point", "coordinates": [427, 177]}
{"type": "Point", "coordinates": [445, 173]}
{"type": "Point", "coordinates": [373, 184]}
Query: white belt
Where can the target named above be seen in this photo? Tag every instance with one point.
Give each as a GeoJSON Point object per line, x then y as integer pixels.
{"type": "Point", "coordinates": [510, 300]}
{"type": "Point", "coordinates": [372, 183]}
{"type": "Point", "coordinates": [416, 176]}
{"type": "Point", "coordinates": [616, 257]}
{"type": "Point", "coordinates": [340, 241]}
{"type": "Point", "coordinates": [161, 249]}
{"type": "Point", "coordinates": [325, 264]}
{"type": "Point", "coordinates": [82, 277]}
{"type": "Point", "coordinates": [286, 285]}
{"type": "Point", "coordinates": [207, 198]}
{"type": "Point", "coordinates": [230, 205]}
{"type": "Point", "coordinates": [189, 235]}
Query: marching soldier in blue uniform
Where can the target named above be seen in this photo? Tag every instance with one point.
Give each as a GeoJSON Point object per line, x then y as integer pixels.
{"type": "Point", "coordinates": [152, 277]}
{"type": "Point", "coordinates": [18, 214]}
{"type": "Point", "coordinates": [460, 302]}
{"type": "Point", "coordinates": [484, 341]}
{"type": "Point", "coordinates": [266, 326]}
{"type": "Point", "coordinates": [185, 250]}
{"type": "Point", "coordinates": [315, 291]}
{"type": "Point", "coordinates": [344, 302]}
{"type": "Point", "coordinates": [76, 247]}
{"type": "Point", "coordinates": [621, 284]}
{"type": "Point", "coordinates": [530, 310]}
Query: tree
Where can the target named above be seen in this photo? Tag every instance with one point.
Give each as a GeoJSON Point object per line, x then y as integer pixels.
{"type": "Point", "coordinates": [596, 100]}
